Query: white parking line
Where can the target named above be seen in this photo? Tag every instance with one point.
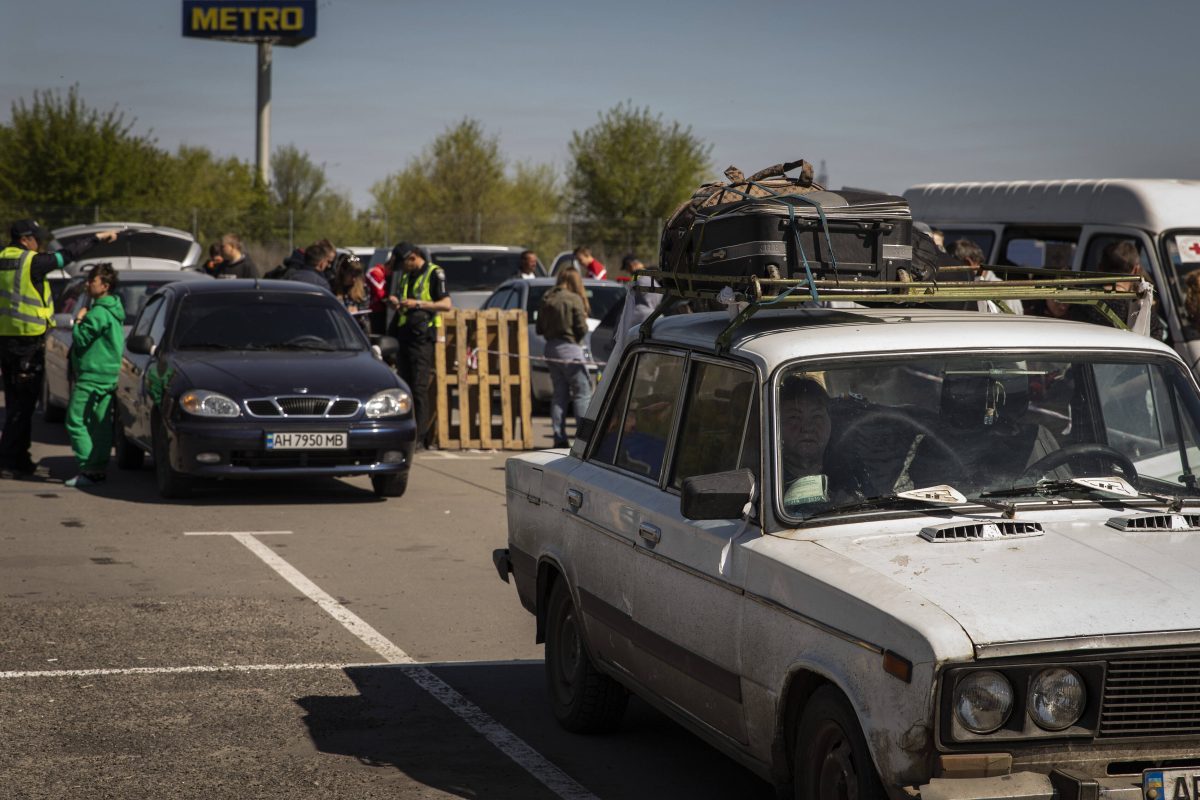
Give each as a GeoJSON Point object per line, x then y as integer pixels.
{"type": "Point", "coordinates": [91, 673]}
{"type": "Point", "coordinates": [504, 740]}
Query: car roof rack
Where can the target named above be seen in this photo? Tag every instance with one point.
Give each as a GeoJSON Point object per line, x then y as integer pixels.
{"type": "Point", "coordinates": [745, 295]}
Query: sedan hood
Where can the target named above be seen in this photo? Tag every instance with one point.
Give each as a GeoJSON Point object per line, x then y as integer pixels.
{"type": "Point", "coordinates": [260, 374]}
{"type": "Point", "coordinates": [1080, 578]}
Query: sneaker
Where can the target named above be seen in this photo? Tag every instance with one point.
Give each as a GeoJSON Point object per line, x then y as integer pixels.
{"type": "Point", "coordinates": [85, 479]}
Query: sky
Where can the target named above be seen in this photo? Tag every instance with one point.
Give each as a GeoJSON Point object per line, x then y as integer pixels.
{"type": "Point", "coordinates": [888, 95]}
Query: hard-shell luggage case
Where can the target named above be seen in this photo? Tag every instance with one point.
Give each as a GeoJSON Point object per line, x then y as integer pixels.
{"type": "Point", "coordinates": [769, 225]}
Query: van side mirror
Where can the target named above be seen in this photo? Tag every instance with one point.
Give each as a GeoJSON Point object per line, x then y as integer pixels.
{"type": "Point", "coordinates": [141, 344]}
{"type": "Point", "coordinates": [719, 495]}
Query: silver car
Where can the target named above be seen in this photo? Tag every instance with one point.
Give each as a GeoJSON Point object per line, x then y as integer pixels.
{"type": "Point", "coordinates": [527, 295]}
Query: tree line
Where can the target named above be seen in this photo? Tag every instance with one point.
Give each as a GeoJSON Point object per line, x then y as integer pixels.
{"type": "Point", "coordinates": [62, 160]}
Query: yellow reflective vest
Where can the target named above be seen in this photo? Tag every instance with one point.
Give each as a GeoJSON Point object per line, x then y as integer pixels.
{"type": "Point", "coordinates": [23, 310]}
{"type": "Point", "coordinates": [420, 291]}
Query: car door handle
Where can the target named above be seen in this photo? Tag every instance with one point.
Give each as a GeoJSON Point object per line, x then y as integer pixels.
{"type": "Point", "coordinates": [574, 498]}
{"type": "Point", "coordinates": [651, 533]}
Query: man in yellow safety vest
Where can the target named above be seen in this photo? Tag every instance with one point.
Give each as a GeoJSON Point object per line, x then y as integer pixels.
{"type": "Point", "coordinates": [420, 299]}
{"type": "Point", "coordinates": [26, 313]}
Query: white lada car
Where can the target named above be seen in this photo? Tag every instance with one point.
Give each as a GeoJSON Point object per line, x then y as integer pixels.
{"type": "Point", "coordinates": [883, 552]}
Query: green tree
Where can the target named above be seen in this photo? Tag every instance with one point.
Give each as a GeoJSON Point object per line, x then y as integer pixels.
{"type": "Point", "coordinates": [629, 171]}
{"type": "Point", "coordinates": [59, 157]}
{"type": "Point", "coordinates": [459, 190]}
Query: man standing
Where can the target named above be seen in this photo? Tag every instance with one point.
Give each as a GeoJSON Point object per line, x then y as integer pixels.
{"type": "Point", "coordinates": [420, 300]}
{"type": "Point", "coordinates": [639, 303]}
{"type": "Point", "coordinates": [26, 313]}
{"type": "Point", "coordinates": [590, 267]}
{"type": "Point", "coordinates": [527, 269]}
{"type": "Point", "coordinates": [318, 256]}
{"type": "Point", "coordinates": [969, 253]}
{"type": "Point", "coordinates": [237, 264]}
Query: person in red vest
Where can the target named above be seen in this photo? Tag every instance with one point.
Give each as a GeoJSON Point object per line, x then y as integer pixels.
{"type": "Point", "coordinates": [591, 267]}
{"type": "Point", "coordinates": [379, 278]}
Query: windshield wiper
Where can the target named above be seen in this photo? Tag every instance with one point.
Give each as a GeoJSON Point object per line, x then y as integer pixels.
{"type": "Point", "coordinates": [1111, 488]}
{"type": "Point", "coordinates": [206, 346]}
{"type": "Point", "coordinates": [305, 346]}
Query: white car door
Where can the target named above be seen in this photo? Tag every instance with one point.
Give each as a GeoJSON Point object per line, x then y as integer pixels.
{"type": "Point", "coordinates": [645, 449]}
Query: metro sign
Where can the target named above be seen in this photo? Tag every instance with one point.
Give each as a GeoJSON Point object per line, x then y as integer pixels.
{"type": "Point", "coordinates": [286, 22]}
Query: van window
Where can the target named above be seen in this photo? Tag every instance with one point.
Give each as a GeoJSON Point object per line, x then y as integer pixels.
{"type": "Point", "coordinates": [1052, 248]}
{"type": "Point", "coordinates": [985, 240]}
{"type": "Point", "coordinates": [1096, 245]}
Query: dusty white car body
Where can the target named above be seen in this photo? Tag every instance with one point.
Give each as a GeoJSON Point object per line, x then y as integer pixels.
{"type": "Point", "coordinates": [731, 626]}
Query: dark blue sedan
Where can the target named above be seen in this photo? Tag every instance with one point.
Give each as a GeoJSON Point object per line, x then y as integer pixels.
{"type": "Point", "coordinates": [244, 379]}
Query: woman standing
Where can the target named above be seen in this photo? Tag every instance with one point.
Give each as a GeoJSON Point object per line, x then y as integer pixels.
{"type": "Point", "coordinates": [349, 286]}
{"type": "Point", "coordinates": [562, 320]}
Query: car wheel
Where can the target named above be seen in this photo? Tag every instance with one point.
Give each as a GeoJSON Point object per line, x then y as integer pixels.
{"type": "Point", "coordinates": [129, 455]}
{"type": "Point", "coordinates": [584, 699]}
{"type": "Point", "coordinates": [50, 411]}
{"type": "Point", "coordinates": [390, 485]}
{"type": "Point", "coordinates": [171, 484]}
{"type": "Point", "coordinates": [832, 761]}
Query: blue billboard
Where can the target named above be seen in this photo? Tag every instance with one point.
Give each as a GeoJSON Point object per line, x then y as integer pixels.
{"type": "Point", "coordinates": [287, 22]}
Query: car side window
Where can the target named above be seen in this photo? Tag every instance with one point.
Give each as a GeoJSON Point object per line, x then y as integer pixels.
{"type": "Point", "coordinates": [146, 318]}
{"type": "Point", "coordinates": [638, 425]}
{"type": "Point", "coordinates": [716, 414]}
{"type": "Point", "coordinates": [71, 298]}
{"type": "Point", "coordinates": [1052, 248]}
{"type": "Point", "coordinates": [501, 299]}
{"type": "Point", "coordinates": [1096, 245]}
{"type": "Point", "coordinates": [159, 326]}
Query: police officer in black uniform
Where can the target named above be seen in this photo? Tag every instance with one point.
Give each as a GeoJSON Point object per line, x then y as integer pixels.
{"type": "Point", "coordinates": [26, 313]}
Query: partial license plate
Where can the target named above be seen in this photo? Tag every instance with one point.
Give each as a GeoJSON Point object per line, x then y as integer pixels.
{"type": "Point", "coordinates": [306, 441]}
{"type": "Point", "coordinates": [1171, 784]}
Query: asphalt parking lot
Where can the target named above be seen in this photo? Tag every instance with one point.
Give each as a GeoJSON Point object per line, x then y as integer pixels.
{"type": "Point", "coordinates": [292, 640]}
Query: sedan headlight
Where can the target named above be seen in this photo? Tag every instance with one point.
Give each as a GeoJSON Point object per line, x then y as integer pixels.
{"type": "Point", "coordinates": [389, 403]}
{"type": "Point", "coordinates": [203, 403]}
{"type": "Point", "coordinates": [983, 701]}
{"type": "Point", "coordinates": [1056, 698]}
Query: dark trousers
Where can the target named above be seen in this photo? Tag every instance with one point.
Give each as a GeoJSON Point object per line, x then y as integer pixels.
{"type": "Point", "coordinates": [414, 363]}
{"type": "Point", "coordinates": [21, 364]}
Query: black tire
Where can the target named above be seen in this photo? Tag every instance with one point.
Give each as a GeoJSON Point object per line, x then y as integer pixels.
{"type": "Point", "coordinates": [392, 485]}
{"type": "Point", "coordinates": [584, 699]}
{"type": "Point", "coordinates": [832, 761]}
{"type": "Point", "coordinates": [128, 454]}
{"type": "Point", "coordinates": [171, 484]}
{"type": "Point", "coordinates": [50, 412]}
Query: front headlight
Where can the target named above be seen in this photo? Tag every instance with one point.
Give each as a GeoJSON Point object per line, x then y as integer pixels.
{"type": "Point", "coordinates": [983, 701]}
{"type": "Point", "coordinates": [389, 403]}
{"type": "Point", "coordinates": [1056, 698]}
{"type": "Point", "coordinates": [203, 403]}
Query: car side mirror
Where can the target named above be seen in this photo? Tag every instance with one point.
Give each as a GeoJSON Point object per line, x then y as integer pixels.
{"type": "Point", "coordinates": [141, 344]}
{"type": "Point", "coordinates": [719, 495]}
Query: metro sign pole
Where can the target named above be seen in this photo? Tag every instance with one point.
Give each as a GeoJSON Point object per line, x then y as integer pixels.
{"type": "Point", "coordinates": [266, 23]}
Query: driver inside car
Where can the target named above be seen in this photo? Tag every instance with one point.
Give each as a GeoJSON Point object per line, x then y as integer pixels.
{"type": "Point", "coordinates": [805, 428]}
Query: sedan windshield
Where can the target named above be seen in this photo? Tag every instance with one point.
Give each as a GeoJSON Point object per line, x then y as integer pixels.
{"type": "Point", "coordinates": [264, 321]}
{"type": "Point", "coordinates": [468, 270]}
{"type": "Point", "coordinates": [600, 299]}
{"type": "Point", "coordinates": [856, 436]}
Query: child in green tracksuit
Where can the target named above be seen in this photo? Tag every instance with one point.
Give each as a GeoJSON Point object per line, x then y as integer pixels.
{"type": "Point", "coordinates": [98, 341]}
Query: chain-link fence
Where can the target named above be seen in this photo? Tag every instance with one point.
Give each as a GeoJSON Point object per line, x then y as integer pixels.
{"type": "Point", "coordinates": [271, 234]}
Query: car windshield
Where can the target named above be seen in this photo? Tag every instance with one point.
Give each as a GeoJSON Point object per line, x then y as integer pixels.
{"type": "Point", "coordinates": [476, 270]}
{"type": "Point", "coordinates": [265, 321]}
{"type": "Point", "coordinates": [600, 299]}
{"type": "Point", "coordinates": [137, 244]}
{"type": "Point", "coordinates": [867, 432]}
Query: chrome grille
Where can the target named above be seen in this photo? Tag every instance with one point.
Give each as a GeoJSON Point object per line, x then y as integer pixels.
{"type": "Point", "coordinates": [303, 406]}
{"type": "Point", "coordinates": [1152, 695]}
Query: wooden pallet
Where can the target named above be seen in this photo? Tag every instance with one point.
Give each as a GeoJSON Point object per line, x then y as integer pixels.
{"type": "Point", "coordinates": [482, 362]}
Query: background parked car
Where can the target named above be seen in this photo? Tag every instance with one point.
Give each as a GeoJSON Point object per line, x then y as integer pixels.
{"type": "Point", "coordinates": [240, 379]}
{"type": "Point", "coordinates": [474, 271]}
{"type": "Point", "coordinates": [133, 288]}
{"type": "Point", "coordinates": [527, 295]}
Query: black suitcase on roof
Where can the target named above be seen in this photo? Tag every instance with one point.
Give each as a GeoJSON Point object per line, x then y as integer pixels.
{"type": "Point", "coordinates": [772, 226]}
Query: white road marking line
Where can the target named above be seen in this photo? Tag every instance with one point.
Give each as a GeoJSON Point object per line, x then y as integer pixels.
{"type": "Point", "coordinates": [89, 673]}
{"type": "Point", "coordinates": [503, 739]}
